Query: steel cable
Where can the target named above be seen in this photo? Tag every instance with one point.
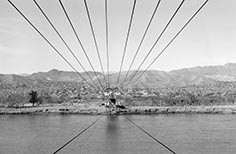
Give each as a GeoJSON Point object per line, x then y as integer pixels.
{"type": "Point", "coordinates": [34, 27]}
{"type": "Point", "coordinates": [107, 44]}
{"type": "Point", "coordinates": [126, 40]}
{"type": "Point", "coordinates": [81, 132]}
{"type": "Point", "coordinates": [63, 40]}
{"type": "Point", "coordinates": [79, 41]}
{"type": "Point", "coordinates": [157, 40]}
{"type": "Point", "coordinates": [163, 50]}
{"type": "Point", "coordinates": [158, 141]}
{"type": "Point", "coordinates": [94, 37]}
{"type": "Point", "coordinates": [141, 42]}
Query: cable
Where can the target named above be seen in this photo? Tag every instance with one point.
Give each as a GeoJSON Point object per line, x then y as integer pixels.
{"type": "Point", "coordinates": [49, 42]}
{"type": "Point", "coordinates": [172, 39]}
{"type": "Point", "coordinates": [81, 132]}
{"type": "Point", "coordinates": [79, 41]}
{"type": "Point", "coordinates": [157, 40]}
{"type": "Point", "coordinates": [155, 139]}
{"type": "Point", "coordinates": [67, 46]}
{"type": "Point", "coordinates": [127, 39]}
{"type": "Point", "coordinates": [144, 35]}
{"type": "Point", "coordinates": [107, 43]}
{"type": "Point", "coordinates": [94, 38]}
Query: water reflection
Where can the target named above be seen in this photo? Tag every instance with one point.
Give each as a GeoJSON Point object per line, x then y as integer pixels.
{"type": "Point", "coordinates": [112, 134]}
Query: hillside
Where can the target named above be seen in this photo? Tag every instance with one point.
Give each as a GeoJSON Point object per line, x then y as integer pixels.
{"type": "Point", "coordinates": [150, 79]}
{"type": "Point", "coordinates": [62, 76]}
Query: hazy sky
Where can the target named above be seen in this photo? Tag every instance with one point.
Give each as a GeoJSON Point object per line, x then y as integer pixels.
{"type": "Point", "coordinates": [208, 40]}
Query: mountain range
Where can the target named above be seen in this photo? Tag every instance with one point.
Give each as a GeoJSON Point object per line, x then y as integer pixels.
{"type": "Point", "coordinates": [149, 79]}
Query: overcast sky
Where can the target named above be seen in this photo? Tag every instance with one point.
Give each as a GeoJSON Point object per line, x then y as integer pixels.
{"type": "Point", "coordinates": [208, 40]}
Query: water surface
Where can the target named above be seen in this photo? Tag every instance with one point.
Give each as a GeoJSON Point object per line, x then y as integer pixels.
{"type": "Point", "coordinates": [183, 133]}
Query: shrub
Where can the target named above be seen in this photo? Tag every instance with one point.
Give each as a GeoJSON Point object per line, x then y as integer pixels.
{"type": "Point", "coordinates": [16, 100]}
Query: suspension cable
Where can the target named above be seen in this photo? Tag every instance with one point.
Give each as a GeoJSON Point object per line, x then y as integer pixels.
{"type": "Point", "coordinates": [67, 46]}
{"type": "Point", "coordinates": [144, 35]}
{"type": "Point", "coordinates": [94, 37]}
{"type": "Point", "coordinates": [13, 5]}
{"type": "Point", "coordinates": [163, 50]}
{"type": "Point", "coordinates": [79, 41]}
{"type": "Point", "coordinates": [157, 40]}
{"type": "Point", "coordinates": [107, 44]}
{"type": "Point", "coordinates": [127, 39]}
{"type": "Point", "coordinates": [155, 139]}
{"type": "Point", "coordinates": [81, 132]}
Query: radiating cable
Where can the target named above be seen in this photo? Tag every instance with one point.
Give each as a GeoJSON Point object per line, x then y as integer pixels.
{"type": "Point", "coordinates": [172, 40]}
{"type": "Point", "coordinates": [107, 43]}
{"type": "Point", "coordinates": [157, 40]}
{"type": "Point", "coordinates": [93, 34]}
{"type": "Point", "coordinates": [49, 42]}
{"type": "Point", "coordinates": [79, 41]}
{"type": "Point", "coordinates": [155, 139]}
{"type": "Point", "coordinates": [126, 40]}
{"type": "Point", "coordinates": [143, 37]}
{"type": "Point", "coordinates": [67, 46]}
{"type": "Point", "coordinates": [81, 132]}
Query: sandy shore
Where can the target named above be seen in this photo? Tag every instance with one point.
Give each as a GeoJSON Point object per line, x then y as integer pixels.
{"type": "Point", "coordinates": [98, 109]}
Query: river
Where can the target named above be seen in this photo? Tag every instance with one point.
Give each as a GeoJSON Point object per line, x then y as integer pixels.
{"type": "Point", "coordinates": [182, 133]}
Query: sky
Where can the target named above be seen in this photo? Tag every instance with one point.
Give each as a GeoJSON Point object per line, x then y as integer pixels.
{"type": "Point", "coordinates": [208, 40]}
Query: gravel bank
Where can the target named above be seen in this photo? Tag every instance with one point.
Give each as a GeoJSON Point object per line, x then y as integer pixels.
{"type": "Point", "coordinates": [98, 109]}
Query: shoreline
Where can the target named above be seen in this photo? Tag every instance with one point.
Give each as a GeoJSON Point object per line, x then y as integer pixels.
{"type": "Point", "coordinates": [98, 110]}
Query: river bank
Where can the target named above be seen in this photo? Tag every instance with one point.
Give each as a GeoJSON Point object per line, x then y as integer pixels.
{"type": "Point", "coordinates": [96, 109]}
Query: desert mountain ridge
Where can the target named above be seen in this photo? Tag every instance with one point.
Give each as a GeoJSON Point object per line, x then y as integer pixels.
{"type": "Point", "coordinates": [150, 79]}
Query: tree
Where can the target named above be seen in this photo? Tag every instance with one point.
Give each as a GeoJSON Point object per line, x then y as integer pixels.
{"type": "Point", "coordinates": [33, 97]}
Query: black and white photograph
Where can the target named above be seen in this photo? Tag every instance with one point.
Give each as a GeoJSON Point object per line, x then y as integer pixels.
{"type": "Point", "coordinates": [117, 77]}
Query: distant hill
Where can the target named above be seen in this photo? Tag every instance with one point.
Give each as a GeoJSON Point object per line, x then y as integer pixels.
{"type": "Point", "coordinates": [150, 79]}
{"type": "Point", "coordinates": [16, 79]}
{"type": "Point", "coordinates": [62, 76]}
{"type": "Point", "coordinates": [226, 72]}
